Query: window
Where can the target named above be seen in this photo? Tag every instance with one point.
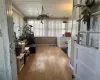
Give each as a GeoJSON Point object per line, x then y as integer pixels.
{"type": "Point", "coordinates": [18, 23]}
{"type": "Point", "coordinates": [90, 37]}
{"type": "Point", "coordinates": [50, 28]}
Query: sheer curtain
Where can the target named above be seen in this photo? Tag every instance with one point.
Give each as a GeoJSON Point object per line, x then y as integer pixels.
{"type": "Point", "coordinates": [49, 28]}
{"type": "Point", "coordinates": [18, 23]}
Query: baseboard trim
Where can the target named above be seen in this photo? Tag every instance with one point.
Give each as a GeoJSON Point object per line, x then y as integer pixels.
{"type": "Point", "coordinates": [72, 67]}
{"type": "Point", "coordinates": [46, 44]}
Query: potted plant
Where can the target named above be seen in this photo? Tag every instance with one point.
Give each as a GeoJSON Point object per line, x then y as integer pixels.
{"type": "Point", "coordinates": [86, 11]}
{"type": "Point", "coordinates": [18, 46]}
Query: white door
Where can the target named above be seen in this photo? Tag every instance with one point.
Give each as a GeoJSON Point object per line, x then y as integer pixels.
{"type": "Point", "coordinates": [85, 63]}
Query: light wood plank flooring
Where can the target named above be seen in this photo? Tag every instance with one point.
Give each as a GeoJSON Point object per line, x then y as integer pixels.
{"type": "Point", "coordinates": [49, 63]}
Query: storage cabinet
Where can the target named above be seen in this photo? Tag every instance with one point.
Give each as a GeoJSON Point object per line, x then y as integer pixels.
{"type": "Point", "coordinates": [23, 57]}
{"type": "Point", "coordinates": [20, 62]}
{"type": "Point", "coordinates": [61, 42]}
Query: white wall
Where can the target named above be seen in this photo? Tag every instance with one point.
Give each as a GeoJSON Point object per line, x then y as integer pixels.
{"type": "Point", "coordinates": [72, 26]}
{"type": "Point", "coordinates": [74, 30]}
{"type": "Point", "coordinates": [73, 38]}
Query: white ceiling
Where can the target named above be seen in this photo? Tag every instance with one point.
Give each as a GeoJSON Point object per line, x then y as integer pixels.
{"type": "Point", "coordinates": [55, 8]}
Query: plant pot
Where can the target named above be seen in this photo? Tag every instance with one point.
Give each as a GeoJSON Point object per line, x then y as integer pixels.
{"type": "Point", "coordinates": [18, 51]}
{"type": "Point", "coordinates": [32, 50]}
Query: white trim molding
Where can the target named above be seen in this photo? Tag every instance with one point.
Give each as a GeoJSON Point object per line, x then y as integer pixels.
{"type": "Point", "coordinates": [72, 67]}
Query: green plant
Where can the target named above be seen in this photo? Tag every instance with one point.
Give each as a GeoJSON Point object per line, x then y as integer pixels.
{"type": "Point", "coordinates": [43, 15]}
{"type": "Point", "coordinates": [65, 19]}
{"type": "Point", "coordinates": [16, 41]}
{"type": "Point", "coordinates": [25, 32]}
{"type": "Point", "coordinates": [86, 11]}
{"type": "Point", "coordinates": [22, 37]}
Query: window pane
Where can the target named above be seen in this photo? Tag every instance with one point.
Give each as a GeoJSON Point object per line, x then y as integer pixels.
{"type": "Point", "coordinates": [48, 28]}
{"type": "Point", "coordinates": [63, 31]}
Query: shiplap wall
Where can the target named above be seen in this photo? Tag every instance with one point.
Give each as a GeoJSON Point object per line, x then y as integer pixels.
{"type": "Point", "coordinates": [5, 56]}
{"type": "Point", "coordinates": [8, 70]}
{"type": "Point", "coordinates": [2, 53]}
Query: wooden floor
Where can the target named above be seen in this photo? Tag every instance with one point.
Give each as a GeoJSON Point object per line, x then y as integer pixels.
{"type": "Point", "coordinates": [49, 63]}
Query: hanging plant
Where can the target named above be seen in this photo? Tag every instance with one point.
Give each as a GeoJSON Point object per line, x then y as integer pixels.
{"type": "Point", "coordinates": [86, 11]}
{"type": "Point", "coordinates": [43, 15]}
{"type": "Point", "coordinates": [65, 19]}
